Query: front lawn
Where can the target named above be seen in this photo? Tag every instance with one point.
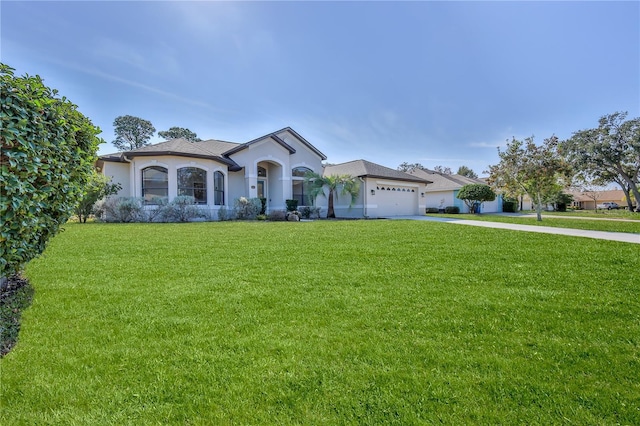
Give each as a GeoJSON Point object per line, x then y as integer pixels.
{"type": "Point", "coordinates": [352, 322]}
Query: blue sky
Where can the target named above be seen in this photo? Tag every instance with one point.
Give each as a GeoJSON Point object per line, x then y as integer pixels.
{"type": "Point", "coordinates": [439, 83]}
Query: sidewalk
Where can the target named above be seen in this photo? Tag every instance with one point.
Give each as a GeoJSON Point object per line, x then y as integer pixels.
{"type": "Point", "coordinates": [601, 235]}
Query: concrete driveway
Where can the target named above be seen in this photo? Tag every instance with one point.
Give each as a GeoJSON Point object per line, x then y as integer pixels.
{"type": "Point", "coordinates": [600, 235]}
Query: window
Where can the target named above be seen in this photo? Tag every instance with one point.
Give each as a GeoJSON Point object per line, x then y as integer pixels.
{"type": "Point", "coordinates": [300, 189]}
{"type": "Point", "coordinates": [262, 172]}
{"type": "Point", "coordinates": [155, 184]}
{"type": "Point", "coordinates": [192, 181]}
{"type": "Point", "coordinates": [218, 188]}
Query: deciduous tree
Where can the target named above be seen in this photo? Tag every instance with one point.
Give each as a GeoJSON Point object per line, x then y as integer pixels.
{"type": "Point", "coordinates": [536, 170]}
{"type": "Point", "coordinates": [179, 132]}
{"type": "Point", "coordinates": [409, 167]}
{"type": "Point", "coordinates": [334, 184]}
{"type": "Point", "coordinates": [610, 152]}
{"type": "Point", "coordinates": [444, 170]}
{"type": "Point", "coordinates": [466, 171]}
{"type": "Point", "coordinates": [132, 132]}
{"type": "Point", "coordinates": [475, 194]}
{"type": "Point", "coordinates": [97, 188]}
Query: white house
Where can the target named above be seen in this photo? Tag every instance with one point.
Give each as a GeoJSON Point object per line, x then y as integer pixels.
{"type": "Point", "coordinates": [272, 166]}
{"type": "Point", "coordinates": [216, 172]}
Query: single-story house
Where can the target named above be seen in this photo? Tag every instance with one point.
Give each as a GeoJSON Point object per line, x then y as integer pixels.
{"type": "Point", "coordinates": [589, 200]}
{"type": "Point", "coordinates": [443, 191]}
{"type": "Point", "coordinates": [384, 192]}
{"type": "Point", "coordinates": [272, 166]}
{"type": "Point", "coordinates": [217, 172]}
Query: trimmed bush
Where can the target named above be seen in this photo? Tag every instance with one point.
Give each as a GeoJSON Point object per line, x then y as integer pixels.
{"type": "Point", "coordinates": [247, 208]}
{"type": "Point", "coordinates": [224, 214]}
{"type": "Point", "coordinates": [292, 205]}
{"type": "Point", "coordinates": [452, 209]}
{"type": "Point", "coordinates": [277, 215]}
{"type": "Point", "coordinates": [47, 159]}
{"type": "Point", "coordinates": [509, 206]}
{"type": "Point", "coordinates": [182, 209]}
{"type": "Point", "coordinates": [121, 209]}
{"type": "Point", "coordinates": [431, 210]}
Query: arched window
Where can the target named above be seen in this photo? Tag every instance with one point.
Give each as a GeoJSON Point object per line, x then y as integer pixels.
{"type": "Point", "coordinates": [300, 190]}
{"type": "Point", "coordinates": [155, 183]}
{"type": "Point", "coordinates": [262, 172]}
{"type": "Point", "coordinates": [218, 189]}
{"type": "Point", "coordinates": [192, 181]}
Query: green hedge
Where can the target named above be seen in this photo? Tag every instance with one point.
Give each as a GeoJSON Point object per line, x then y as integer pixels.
{"type": "Point", "coordinates": [48, 155]}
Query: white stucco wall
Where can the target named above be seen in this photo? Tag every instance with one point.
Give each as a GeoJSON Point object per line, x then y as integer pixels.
{"type": "Point", "coordinates": [119, 173]}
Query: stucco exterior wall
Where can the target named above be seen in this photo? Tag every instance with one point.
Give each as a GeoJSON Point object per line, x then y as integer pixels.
{"type": "Point", "coordinates": [119, 173]}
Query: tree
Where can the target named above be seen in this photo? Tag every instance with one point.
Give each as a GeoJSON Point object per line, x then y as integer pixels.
{"type": "Point", "coordinates": [475, 194]}
{"type": "Point", "coordinates": [610, 152]}
{"type": "Point", "coordinates": [341, 184]}
{"type": "Point", "coordinates": [443, 170]}
{"type": "Point", "coordinates": [409, 167]}
{"type": "Point", "coordinates": [538, 171]}
{"type": "Point", "coordinates": [179, 132]}
{"type": "Point", "coordinates": [466, 171]}
{"type": "Point", "coordinates": [98, 187]}
{"type": "Point", "coordinates": [48, 155]}
{"type": "Point", "coordinates": [132, 132]}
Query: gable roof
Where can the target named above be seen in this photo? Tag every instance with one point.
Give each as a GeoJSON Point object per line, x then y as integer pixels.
{"type": "Point", "coordinates": [274, 136]}
{"type": "Point", "coordinates": [210, 149]}
{"type": "Point", "coordinates": [443, 181]}
{"type": "Point", "coordinates": [363, 168]}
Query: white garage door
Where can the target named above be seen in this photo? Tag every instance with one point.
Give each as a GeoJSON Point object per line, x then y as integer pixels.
{"type": "Point", "coordinates": [396, 200]}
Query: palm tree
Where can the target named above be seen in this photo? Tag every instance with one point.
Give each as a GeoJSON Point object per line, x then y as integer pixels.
{"type": "Point", "coordinates": [347, 184]}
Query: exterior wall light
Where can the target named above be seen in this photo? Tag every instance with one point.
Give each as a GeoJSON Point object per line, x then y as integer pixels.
{"type": "Point", "coordinates": [422, 194]}
{"type": "Point", "coordinates": [373, 192]}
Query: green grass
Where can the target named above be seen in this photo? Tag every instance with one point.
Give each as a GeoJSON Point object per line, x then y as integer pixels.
{"type": "Point", "coordinates": [353, 322]}
{"type": "Point", "coordinates": [610, 225]}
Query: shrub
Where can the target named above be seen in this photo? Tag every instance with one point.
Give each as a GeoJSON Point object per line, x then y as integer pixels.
{"type": "Point", "coordinates": [263, 208]}
{"type": "Point", "coordinates": [247, 208]}
{"type": "Point", "coordinates": [452, 209]}
{"type": "Point", "coordinates": [121, 209]}
{"type": "Point", "coordinates": [292, 205]}
{"type": "Point", "coordinates": [261, 217]}
{"type": "Point", "coordinates": [432, 210]}
{"type": "Point", "coordinates": [182, 209]}
{"type": "Point", "coordinates": [224, 214]}
{"type": "Point", "coordinates": [155, 213]}
{"type": "Point", "coordinates": [509, 206]}
{"type": "Point", "coordinates": [475, 194]}
{"type": "Point", "coordinates": [98, 187]}
{"type": "Point", "coordinates": [305, 212]}
{"type": "Point", "coordinates": [47, 158]}
{"type": "Point", "coordinates": [277, 215]}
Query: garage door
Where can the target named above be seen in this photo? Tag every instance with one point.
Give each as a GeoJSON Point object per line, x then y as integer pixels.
{"type": "Point", "coordinates": [396, 200]}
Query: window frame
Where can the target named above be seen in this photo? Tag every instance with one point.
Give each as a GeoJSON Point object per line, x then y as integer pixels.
{"type": "Point", "coordinates": [195, 187]}
{"type": "Point", "coordinates": [146, 188]}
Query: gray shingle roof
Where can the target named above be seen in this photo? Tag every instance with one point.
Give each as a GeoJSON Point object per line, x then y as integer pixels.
{"type": "Point", "coordinates": [363, 168]}
{"type": "Point", "coordinates": [443, 181]}
{"type": "Point", "coordinates": [212, 148]}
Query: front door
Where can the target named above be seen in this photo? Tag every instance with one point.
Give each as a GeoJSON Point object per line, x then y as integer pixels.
{"type": "Point", "coordinates": [262, 188]}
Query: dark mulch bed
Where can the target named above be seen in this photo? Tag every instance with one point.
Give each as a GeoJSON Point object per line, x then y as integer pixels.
{"type": "Point", "coordinates": [15, 296]}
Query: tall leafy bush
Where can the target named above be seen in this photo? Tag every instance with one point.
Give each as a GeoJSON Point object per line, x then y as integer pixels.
{"type": "Point", "coordinates": [47, 158]}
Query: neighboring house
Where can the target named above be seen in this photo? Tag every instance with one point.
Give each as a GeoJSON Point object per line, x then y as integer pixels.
{"type": "Point", "coordinates": [444, 190]}
{"type": "Point", "coordinates": [582, 200]}
{"type": "Point", "coordinates": [384, 192]}
{"type": "Point", "coordinates": [216, 172]}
